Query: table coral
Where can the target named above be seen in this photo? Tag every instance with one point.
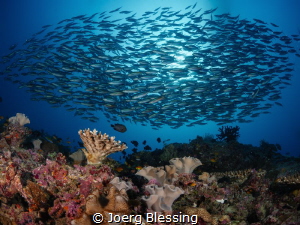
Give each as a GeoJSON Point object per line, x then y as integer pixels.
{"type": "Point", "coordinates": [98, 146]}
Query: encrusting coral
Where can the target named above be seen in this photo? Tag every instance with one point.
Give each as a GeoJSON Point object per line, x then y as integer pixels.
{"type": "Point", "coordinates": [15, 132]}
{"type": "Point", "coordinates": [200, 212]}
{"type": "Point", "coordinates": [98, 146]}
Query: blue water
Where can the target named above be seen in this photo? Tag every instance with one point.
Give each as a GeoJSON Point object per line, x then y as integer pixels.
{"type": "Point", "coordinates": [20, 19]}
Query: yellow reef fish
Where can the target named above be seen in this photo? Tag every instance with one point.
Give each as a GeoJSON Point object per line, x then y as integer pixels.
{"type": "Point", "coordinates": [119, 169]}
{"type": "Point", "coordinates": [192, 184]}
{"type": "Point", "coordinates": [138, 167]}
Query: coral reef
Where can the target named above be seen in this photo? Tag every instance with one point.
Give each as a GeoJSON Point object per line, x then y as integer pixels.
{"type": "Point", "coordinates": [99, 146]}
{"type": "Point", "coordinates": [47, 186]}
{"type": "Point", "coordinates": [237, 184]}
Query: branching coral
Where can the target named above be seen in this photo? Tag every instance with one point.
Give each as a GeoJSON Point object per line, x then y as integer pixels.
{"type": "Point", "coordinates": [228, 133]}
{"type": "Point", "coordinates": [99, 146]}
{"type": "Point", "coordinates": [291, 179]}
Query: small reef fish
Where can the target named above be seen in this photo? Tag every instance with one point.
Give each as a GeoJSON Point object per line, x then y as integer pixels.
{"type": "Point", "coordinates": [49, 139]}
{"type": "Point", "coordinates": [135, 143]}
{"type": "Point", "coordinates": [147, 147]}
{"type": "Point", "coordinates": [119, 127]}
{"type": "Point", "coordinates": [138, 167]}
{"type": "Point", "coordinates": [119, 169]}
{"type": "Point", "coordinates": [213, 160]}
{"type": "Point", "coordinates": [192, 184]}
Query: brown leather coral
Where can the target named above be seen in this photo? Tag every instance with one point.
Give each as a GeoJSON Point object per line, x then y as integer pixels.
{"type": "Point", "coordinates": [116, 202]}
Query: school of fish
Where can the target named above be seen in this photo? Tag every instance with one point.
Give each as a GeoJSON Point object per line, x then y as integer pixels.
{"type": "Point", "coordinates": [163, 67]}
